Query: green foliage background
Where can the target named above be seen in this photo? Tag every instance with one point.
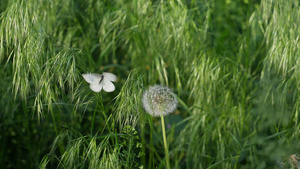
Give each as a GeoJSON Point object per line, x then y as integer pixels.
{"type": "Point", "coordinates": [233, 64]}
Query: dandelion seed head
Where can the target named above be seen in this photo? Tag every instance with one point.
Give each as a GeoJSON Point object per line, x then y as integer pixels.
{"type": "Point", "coordinates": [159, 100]}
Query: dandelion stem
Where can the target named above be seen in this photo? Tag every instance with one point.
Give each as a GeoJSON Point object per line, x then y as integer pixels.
{"type": "Point", "coordinates": [165, 141]}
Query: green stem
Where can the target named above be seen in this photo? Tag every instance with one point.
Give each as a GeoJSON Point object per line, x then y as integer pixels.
{"type": "Point", "coordinates": [165, 141]}
{"type": "Point", "coordinates": [60, 146]}
{"type": "Point", "coordinates": [143, 158]}
{"type": "Point", "coordinates": [28, 132]}
{"type": "Point", "coordinates": [151, 153]}
{"type": "Point", "coordinates": [93, 120]}
{"type": "Point", "coordinates": [99, 100]}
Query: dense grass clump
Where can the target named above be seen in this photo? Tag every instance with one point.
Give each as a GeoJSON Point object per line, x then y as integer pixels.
{"type": "Point", "coordinates": [233, 65]}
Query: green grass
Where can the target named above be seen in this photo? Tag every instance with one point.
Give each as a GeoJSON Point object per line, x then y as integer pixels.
{"type": "Point", "coordinates": [234, 66]}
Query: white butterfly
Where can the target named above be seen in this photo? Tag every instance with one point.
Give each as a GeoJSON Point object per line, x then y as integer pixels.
{"type": "Point", "coordinates": [99, 81]}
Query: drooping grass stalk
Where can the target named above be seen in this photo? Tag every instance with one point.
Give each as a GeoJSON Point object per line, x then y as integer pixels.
{"type": "Point", "coordinates": [165, 142]}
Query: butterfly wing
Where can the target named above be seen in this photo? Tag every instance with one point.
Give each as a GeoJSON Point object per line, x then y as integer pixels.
{"type": "Point", "coordinates": [110, 76]}
{"type": "Point", "coordinates": [106, 83]}
{"type": "Point", "coordinates": [108, 86]}
{"type": "Point", "coordinates": [92, 78]}
{"type": "Point", "coordinates": [96, 87]}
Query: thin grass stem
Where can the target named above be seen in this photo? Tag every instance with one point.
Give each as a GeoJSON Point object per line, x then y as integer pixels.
{"type": "Point", "coordinates": [93, 121]}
